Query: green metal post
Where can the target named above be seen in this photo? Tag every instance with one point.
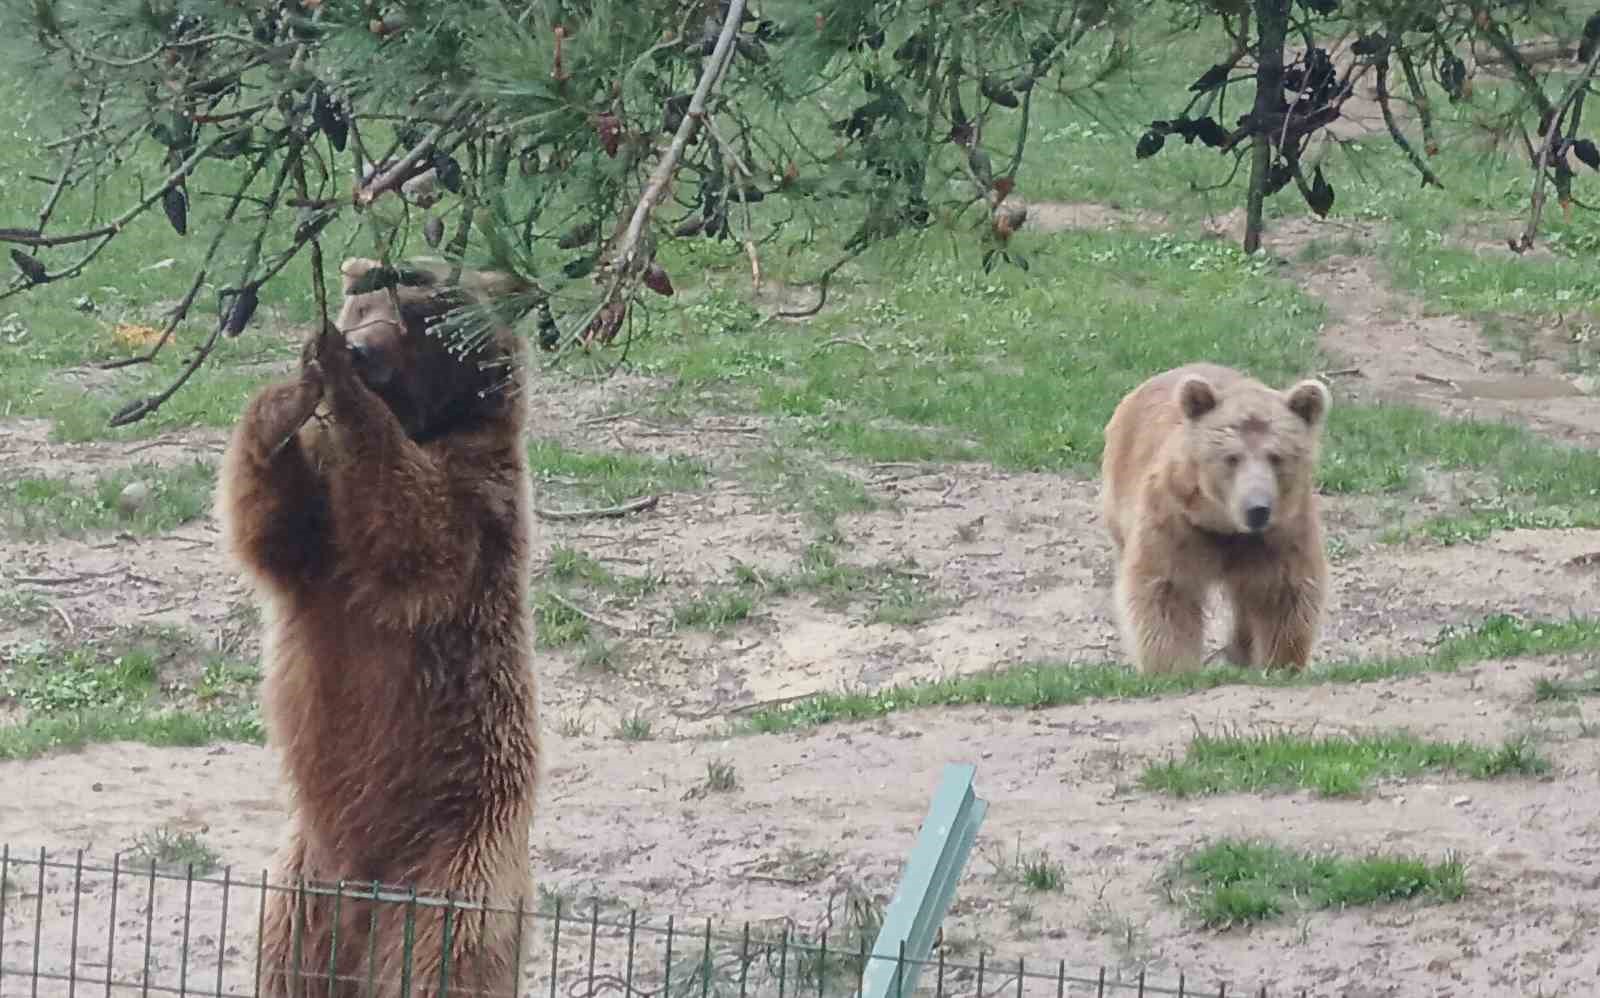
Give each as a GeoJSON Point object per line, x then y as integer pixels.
{"type": "Point", "coordinates": [926, 887]}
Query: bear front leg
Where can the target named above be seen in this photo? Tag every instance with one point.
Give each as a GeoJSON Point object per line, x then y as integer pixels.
{"type": "Point", "coordinates": [271, 502]}
{"type": "Point", "coordinates": [1163, 619]}
{"type": "Point", "coordinates": [395, 512]}
{"type": "Point", "coordinates": [1284, 620]}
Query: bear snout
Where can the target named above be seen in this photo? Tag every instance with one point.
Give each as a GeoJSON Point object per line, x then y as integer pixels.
{"type": "Point", "coordinates": [370, 365]}
{"type": "Point", "coordinates": [1256, 516]}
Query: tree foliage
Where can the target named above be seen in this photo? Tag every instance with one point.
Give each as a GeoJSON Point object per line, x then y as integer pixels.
{"type": "Point", "coordinates": [1414, 41]}
{"type": "Point", "coordinates": [564, 140]}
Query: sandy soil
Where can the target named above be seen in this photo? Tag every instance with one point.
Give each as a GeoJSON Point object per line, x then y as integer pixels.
{"type": "Point", "coordinates": [1024, 570]}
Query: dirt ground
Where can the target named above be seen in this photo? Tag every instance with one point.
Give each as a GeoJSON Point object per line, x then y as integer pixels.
{"type": "Point", "coordinates": [1025, 568]}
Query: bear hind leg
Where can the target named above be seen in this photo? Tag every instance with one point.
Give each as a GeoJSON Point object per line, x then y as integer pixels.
{"type": "Point", "coordinates": [1283, 623]}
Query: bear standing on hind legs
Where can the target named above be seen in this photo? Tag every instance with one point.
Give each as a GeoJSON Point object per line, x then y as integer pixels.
{"type": "Point", "coordinates": [388, 539]}
{"type": "Point", "coordinates": [1208, 480]}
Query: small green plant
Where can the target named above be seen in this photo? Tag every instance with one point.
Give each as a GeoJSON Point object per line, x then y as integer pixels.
{"type": "Point", "coordinates": [222, 676]}
{"type": "Point", "coordinates": [1041, 873]}
{"type": "Point", "coordinates": [634, 727]}
{"type": "Point", "coordinates": [173, 850]}
{"type": "Point", "coordinates": [612, 477]}
{"type": "Point", "coordinates": [720, 777]}
{"type": "Point", "coordinates": [48, 679]}
{"type": "Point", "coordinates": [1231, 882]}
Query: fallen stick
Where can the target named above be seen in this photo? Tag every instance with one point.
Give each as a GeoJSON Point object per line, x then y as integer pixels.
{"type": "Point", "coordinates": [632, 506]}
{"type": "Point", "coordinates": [592, 618]}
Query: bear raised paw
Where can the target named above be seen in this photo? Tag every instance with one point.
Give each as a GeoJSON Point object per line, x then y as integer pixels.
{"type": "Point", "coordinates": [1208, 480]}
{"type": "Point", "coordinates": [379, 503]}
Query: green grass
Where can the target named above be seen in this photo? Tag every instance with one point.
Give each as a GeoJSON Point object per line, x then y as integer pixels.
{"type": "Point", "coordinates": [174, 850]}
{"type": "Point", "coordinates": [1050, 685]}
{"type": "Point", "coordinates": [35, 507]}
{"type": "Point", "coordinates": [1546, 690]}
{"type": "Point", "coordinates": [896, 593]}
{"type": "Point", "coordinates": [556, 623]}
{"type": "Point", "coordinates": [48, 733]}
{"type": "Point", "coordinates": [611, 477]}
{"type": "Point", "coordinates": [1331, 766]}
{"type": "Point", "coordinates": [1232, 882]}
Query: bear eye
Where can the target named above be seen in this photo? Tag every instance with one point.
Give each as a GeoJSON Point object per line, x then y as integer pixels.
{"type": "Point", "coordinates": [1232, 460]}
{"type": "Point", "coordinates": [1275, 459]}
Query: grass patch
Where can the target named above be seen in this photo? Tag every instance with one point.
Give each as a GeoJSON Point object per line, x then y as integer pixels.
{"type": "Point", "coordinates": [1049, 685]}
{"type": "Point", "coordinates": [714, 611]}
{"type": "Point", "coordinates": [1547, 690]}
{"type": "Point", "coordinates": [556, 623]}
{"type": "Point", "coordinates": [1331, 766]}
{"type": "Point", "coordinates": [1230, 882]}
{"type": "Point", "coordinates": [171, 497]}
{"type": "Point", "coordinates": [173, 728]}
{"type": "Point", "coordinates": [613, 478]}
{"type": "Point", "coordinates": [174, 851]}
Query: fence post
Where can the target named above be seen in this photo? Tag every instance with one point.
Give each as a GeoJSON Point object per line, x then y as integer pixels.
{"type": "Point", "coordinates": [926, 886]}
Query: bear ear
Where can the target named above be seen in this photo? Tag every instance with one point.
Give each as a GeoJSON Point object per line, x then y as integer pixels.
{"type": "Point", "coordinates": [1196, 397]}
{"type": "Point", "coordinates": [354, 268]}
{"type": "Point", "coordinates": [1310, 400]}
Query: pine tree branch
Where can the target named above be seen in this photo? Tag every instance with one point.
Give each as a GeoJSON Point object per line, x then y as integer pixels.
{"type": "Point", "coordinates": [1547, 150]}
{"type": "Point", "coordinates": [624, 256]}
{"type": "Point", "coordinates": [401, 171]}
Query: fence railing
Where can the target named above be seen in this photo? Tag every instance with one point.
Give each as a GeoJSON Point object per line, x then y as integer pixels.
{"type": "Point", "coordinates": [77, 929]}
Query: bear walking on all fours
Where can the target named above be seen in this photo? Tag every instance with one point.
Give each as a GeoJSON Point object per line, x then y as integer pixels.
{"type": "Point", "coordinates": [388, 538]}
{"type": "Point", "coordinates": [1208, 479]}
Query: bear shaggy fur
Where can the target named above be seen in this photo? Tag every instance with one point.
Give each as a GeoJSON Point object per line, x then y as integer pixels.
{"type": "Point", "coordinates": [1207, 481]}
{"type": "Point", "coordinates": [388, 539]}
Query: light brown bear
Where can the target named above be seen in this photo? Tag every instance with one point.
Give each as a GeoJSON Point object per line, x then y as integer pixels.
{"type": "Point", "coordinates": [388, 540]}
{"type": "Point", "coordinates": [1208, 480]}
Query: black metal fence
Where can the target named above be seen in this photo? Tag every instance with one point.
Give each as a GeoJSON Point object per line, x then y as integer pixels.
{"type": "Point", "coordinates": [70, 928]}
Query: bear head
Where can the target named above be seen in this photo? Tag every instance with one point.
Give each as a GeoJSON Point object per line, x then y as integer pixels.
{"type": "Point", "coordinates": [434, 378]}
{"type": "Point", "coordinates": [1254, 449]}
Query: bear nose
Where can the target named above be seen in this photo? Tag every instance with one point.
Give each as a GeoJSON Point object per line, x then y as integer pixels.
{"type": "Point", "coordinates": [366, 362]}
{"type": "Point", "coordinates": [1256, 517]}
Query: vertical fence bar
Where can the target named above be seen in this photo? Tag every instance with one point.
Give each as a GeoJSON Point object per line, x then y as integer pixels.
{"type": "Point", "coordinates": [5, 884]}
{"type": "Point", "coordinates": [149, 929]}
{"type": "Point", "coordinates": [1141, 982]}
{"type": "Point", "coordinates": [980, 973]}
{"type": "Point", "coordinates": [1180, 984]}
{"type": "Point", "coordinates": [261, 930]}
{"type": "Point", "coordinates": [938, 986]}
{"type": "Point", "coordinates": [297, 937]}
{"type": "Point", "coordinates": [783, 959]}
{"type": "Point", "coordinates": [111, 928]}
{"type": "Point", "coordinates": [408, 944]}
{"type": "Point", "coordinates": [594, 938]}
{"type": "Point", "coordinates": [188, 909]}
{"type": "Point", "coordinates": [822, 963]}
{"type": "Point", "coordinates": [77, 905]}
{"type": "Point", "coordinates": [555, 948]}
{"type": "Point", "coordinates": [666, 985]}
{"type": "Point", "coordinates": [222, 929]}
{"type": "Point", "coordinates": [1061, 979]}
{"type": "Point", "coordinates": [445, 943]}
{"type": "Point", "coordinates": [38, 924]}
{"type": "Point", "coordinates": [372, 940]}
{"type": "Point", "coordinates": [1100, 990]}
{"type": "Point", "coordinates": [633, 925]}
{"type": "Point", "coordinates": [1022, 975]}
{"type": "Point", "coordinates": [516, 963]}
{"type": "Point", "coordinates": [333, 941]}
{"type": "Point", "coordinates": [744, 960]}
{"type": "Point", "coordinates": [705, 963]}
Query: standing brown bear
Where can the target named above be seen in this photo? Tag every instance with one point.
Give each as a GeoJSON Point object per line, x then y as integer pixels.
{"type": "Point", "coordinates": [1208, 480]}
{"type": "Point", "coordinates": [388, 539]}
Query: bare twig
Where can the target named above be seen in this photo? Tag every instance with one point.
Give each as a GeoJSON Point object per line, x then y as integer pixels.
{"type": "Point", "coordinates": [632, 506]}
{"type": "Point", "coordinates": [593, 618]}
{"type": "Point", "coordinates": [1395, 133]}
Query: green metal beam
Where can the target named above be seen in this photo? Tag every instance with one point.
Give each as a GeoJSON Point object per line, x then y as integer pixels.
{"type": "Point", "coordinates": [926, 887]}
